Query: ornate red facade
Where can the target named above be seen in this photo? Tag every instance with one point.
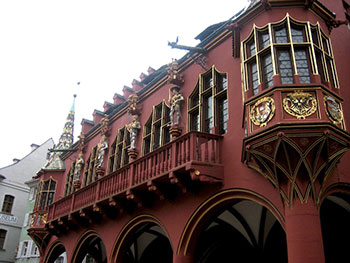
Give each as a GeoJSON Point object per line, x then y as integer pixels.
{"type": "Point", "coordinates": [237, 151]}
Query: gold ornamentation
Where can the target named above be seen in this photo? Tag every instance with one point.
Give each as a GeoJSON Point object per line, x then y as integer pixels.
{"type": "Point", "coordinates": [44, 218]}
{"type": "Point", "coordinates": [262, 111]}
{"type": "Point", "coordinates": [299, 104]}
{"type": "Point", "coordinates": [333, 109]}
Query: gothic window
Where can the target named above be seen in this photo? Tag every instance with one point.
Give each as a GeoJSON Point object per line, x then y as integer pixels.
{"type": "Point", "coordinates": [7, 204]}
{"type": "Point", "coordinates": [287, 48]}
{"type": "Point", "coordinates": [3, 233]}
{"type": "Point", "coordinates": [156, 130]}
{"type": "Point", "coordinates": [207, 105]}
{"type": "Point", "coordinates": [46, 193]}
{"type": "Point", "coordinates": [90, 175]}
{"type": "Point", "coordinates": [69, 188]}
{"type": "Point", "coordinates": [118, 155]}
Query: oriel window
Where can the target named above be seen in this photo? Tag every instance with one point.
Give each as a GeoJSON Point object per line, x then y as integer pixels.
{"type": "Point", "coordinates": [286, 48]}
{"type": "Point", "coordinates": [46, 194]}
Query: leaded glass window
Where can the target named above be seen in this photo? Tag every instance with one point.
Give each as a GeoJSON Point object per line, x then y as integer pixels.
{"type": "Point", "coordinates": [297, 35]}
{"type": "Point", "coordinates": [285, 66]}
{"type": "Point", "coordinates": [297, 48]}
{"type": "Point", "coordinates": [281, 35]}
{"type": "Point", "coordinates": [268, 71]}
{"type": "Point", "coordinates": [302, 65]}
{"type": "Point", "coordinates": [254, 78]}
{"type": "Point", "coordinates": [264, 40]}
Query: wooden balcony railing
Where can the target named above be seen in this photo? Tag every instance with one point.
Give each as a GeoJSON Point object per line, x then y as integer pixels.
{"type": "Point", "coordinates": [191, 148]}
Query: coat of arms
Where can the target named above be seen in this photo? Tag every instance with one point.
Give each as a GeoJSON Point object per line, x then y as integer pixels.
{"type": "Point", "coordinates": [300, 104]}
{"type": "Point", "coordinates": [262, 111]}
{"type": "Point", "coordinates": [333, 109]}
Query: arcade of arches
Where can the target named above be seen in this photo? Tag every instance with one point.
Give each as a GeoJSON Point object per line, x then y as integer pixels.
{"type": "Point", "coordinates": [241, 229]}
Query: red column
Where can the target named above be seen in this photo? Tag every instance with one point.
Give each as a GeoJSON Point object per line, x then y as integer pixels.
{"type": "Point", "coordinates": [182, 259]}
{"type": "Point", "coordinates": [304, 234]}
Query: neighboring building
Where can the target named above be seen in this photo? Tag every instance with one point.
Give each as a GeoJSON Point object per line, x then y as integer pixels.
{"type": "Point", "coordinates": [28, 251]}
{"type": "Point", "coordinates": [13, 197]}
{"type": "Point", "coordinates": [236, 152]}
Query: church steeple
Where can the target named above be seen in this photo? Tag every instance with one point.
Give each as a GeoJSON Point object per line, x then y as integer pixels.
{"type": "Point", "coordinates": [64, 143]}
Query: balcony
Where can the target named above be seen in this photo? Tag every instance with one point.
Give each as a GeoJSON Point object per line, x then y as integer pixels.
{"type": "Point", "coordinates": [179, 166]}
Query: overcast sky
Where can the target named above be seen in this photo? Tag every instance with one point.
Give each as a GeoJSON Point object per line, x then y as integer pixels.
{"type": "Point", "coordinates": [47, 46]}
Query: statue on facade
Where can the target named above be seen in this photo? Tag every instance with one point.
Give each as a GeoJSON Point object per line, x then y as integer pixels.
{"type": "Point", "coordinates": [133, 109]}
{"type": "Point", "coordinates": [101, 150]}
{"type": "Point", "coordinates": [175, 105]}
{"type": "Point", "coordinates": [174, 76]}
{"type": "Point", "coordinates": [79, 164]}
{"type": "Point", "coordinates": [133, 128]}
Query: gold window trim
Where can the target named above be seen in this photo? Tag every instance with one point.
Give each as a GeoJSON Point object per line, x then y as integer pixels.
{"type": "Point", "coordinates": [308, 44]}
{"type": "Point", "coordinates": [121, 141]}
{"type": "Point", "coordinates": [202, 93]}
{"type": "Point", "coordinates": [153, 121]}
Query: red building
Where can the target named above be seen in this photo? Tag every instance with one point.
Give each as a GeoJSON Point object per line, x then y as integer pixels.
{"type": "Point", "coordinates": [238, 151]}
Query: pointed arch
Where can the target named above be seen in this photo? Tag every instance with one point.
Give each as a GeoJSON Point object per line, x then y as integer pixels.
{"type": "Point", "coordinates": [90, 244]}
{"type": "Point", "coordinates": [137, 229]}
{"type": "Point", "coordinates": [55, 250]}
{"type": "Point", "coordinates": [212, 206]}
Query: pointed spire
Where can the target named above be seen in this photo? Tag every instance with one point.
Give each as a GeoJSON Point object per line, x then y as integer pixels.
{"type": "Point", "coordinates": [64, 143]}
{"type": "Point", "coordinates": [66, 139]}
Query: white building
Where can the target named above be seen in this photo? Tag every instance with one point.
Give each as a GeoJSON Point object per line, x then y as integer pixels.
{"type": "Point", "coordinates": [14, 195]}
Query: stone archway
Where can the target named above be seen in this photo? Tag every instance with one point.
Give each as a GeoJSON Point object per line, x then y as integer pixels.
{"type": "Point", "coordinates": [90, 249]}
{"type": "Point", "coordinates": [335, 218]}
{"type": "Point", "coordinates": [143, 240]}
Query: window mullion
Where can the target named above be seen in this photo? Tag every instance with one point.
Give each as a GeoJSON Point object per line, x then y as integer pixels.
{"type": "Point", "coordinates": [274, 66]}
{"type": "Point", "coordinates": [200, 104]}
{"type": "Point", "coordinates": [292, 46]}
{"type": "Point", "coordinates": [314, 62]}
{"type": "Point", "coordinates": [256, 54]}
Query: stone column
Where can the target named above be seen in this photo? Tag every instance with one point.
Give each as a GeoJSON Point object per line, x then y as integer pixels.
{"type": "Point", "coordinates": [304, 233]}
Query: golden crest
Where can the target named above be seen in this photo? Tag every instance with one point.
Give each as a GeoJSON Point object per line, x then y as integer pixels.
{"type": "Point", "coordinates": [333, 109]}
{"type": "Point", "coordinates": [300, 104]}
{"type": "Point", "coordinates": [262, 111]}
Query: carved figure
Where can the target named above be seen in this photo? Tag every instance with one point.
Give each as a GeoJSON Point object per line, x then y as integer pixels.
{"type": "Point", "coordinates": [173, 73]}
{"type": "Point", "coordinates": [133, 129]}
{"type": "Point", "coordinates": [132, 100]}
{"type": "Point", "coordinates": [175, 105]}
{"type": "Point", "coordinates": [78, 167]}
{"type": "Point", "coordinates": [101, 150]}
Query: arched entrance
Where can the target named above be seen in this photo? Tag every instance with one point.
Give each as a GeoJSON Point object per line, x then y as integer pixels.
{"type": "Point", "coordinates": [143, 240]}
{"type": "Point", "coordinates": [242, 231]}
{"type": "Point", "coordinates": [90, 249]}
{"type": "Point", "coordinates": [56, 253]}
{"type": "Point", "coordinates": [335, 218]}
